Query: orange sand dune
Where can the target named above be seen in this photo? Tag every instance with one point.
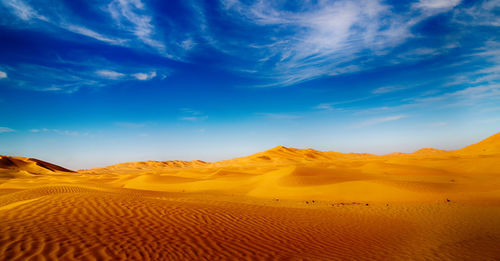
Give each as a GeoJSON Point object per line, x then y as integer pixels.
{"type": "Point", "coordinates": [284, 203]}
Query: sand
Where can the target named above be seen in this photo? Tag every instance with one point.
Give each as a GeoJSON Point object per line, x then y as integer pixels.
{"type": "Point", "coordinates": [283, 204]}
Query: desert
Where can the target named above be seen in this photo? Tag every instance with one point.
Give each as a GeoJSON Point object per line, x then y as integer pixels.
{"type": "Point", "coordinates": [250, 130]}
{"type": "Point", "coordinates": [280, 204]}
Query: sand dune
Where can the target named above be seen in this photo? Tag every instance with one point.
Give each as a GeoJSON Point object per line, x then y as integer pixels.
{"type": "Point", "coordinates": [30, 165]}
{"type": "Point", "coordinates": [283, 203]}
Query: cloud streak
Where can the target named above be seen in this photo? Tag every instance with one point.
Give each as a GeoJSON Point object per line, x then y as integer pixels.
{"type": "Point", "coordinates": [110, 74]}
{"type": "Point", "coordinates": [376, 121]}
{"type": "Point", "coordinates": [58, 131]}
{"type": "Point", "coordinates": [192, 115]}
{"type": "Point", "coordinates": [131, 16]}
{"type": "Point", "coordinates": [6, 129]}
{"type": "Point", "coordinates": [144, 76]}
{"type": "Point", "coordinates": [389, 89]}
{"type": "Point", "coordinates": [67, 77]}
{"type": "Point", "coordinates": [133, 25]}
{"type": "Point", "coordinates": [23, 10]}
{"type": "Point", "coordinates": [279, 116]}
{"type": "Point", "coordinates": [436, 5]}
{"type": "Point", "coordinates": [92, 34]}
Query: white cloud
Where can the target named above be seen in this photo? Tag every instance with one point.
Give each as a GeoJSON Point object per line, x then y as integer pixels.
{"type": "Point", "coordinates": [87, 32]}
{"type": "Point", "coordinates": [438, 124]}
{"type": "Point", "coordinates": [23, 10]}
{"type": "Point", "coordinates": [66, 132]}
{"type": "Point", "coordinates": [134, 24]}
{"type": "Point", "coordinates": [324, 106]}
{"type": "Point", "coordinates": [380, 120]}
{"type": "Point", "coordinates": [320, 39]}
{"type": "Point", "coordinates": [192, 115]}
{"type": "Point", "coordinates": [40, 130]}
{"type": "Point", "coordinates": [437, 4]}
{"type": "Point", "coordinates": [485, 13]}
{"type": "Point", "coordinates": [130, 15]}
{"type": "Point", "coordinates": [389, 89]}
{"type": "Point", "coordinates": [26, 12]}
{"type": "Point", "coordinates": [190, 111]}
{"type": "Point", "coordinates": [110, 74]}
{"type": "Point", "coordinates": [57, 131]}
{"type": "Point", "coordinates": [194, 118]}
{"type": "Point", "coordinates": [61, 78]}
{"type": "Point", "coordinates": [326, 38]}
{"type": "Point", "coordinates": [144, 76]}
{"type": "Point", "coordinates": [466, 97]}
{"type": "Point", "coordinates": [482, 95]}
{"type": "Point", "coordinates": [489, 72]}
{"type": "Point", "coordinates": [5, 129]}
{"type": "Point", "coordinates": [3, 75]}
{"type": "Point", "coordinates": [131, 125]}
{"type": "Point", "coordinates": [417, 54]}
{"type": "Point", "coordinates": [187, 44]}
{"type": "Point", "coordinates": [279, 116]}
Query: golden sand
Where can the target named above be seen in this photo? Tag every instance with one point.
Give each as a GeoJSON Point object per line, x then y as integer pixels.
{"type": "Point", "coordinates": [284, 203]}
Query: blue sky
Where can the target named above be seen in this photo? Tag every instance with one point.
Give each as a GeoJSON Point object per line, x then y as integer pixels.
{"type": "Point", "coordinates": [90, 83]}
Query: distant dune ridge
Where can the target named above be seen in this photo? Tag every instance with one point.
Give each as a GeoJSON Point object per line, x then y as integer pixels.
{"type": "Point", "coordinates": [283, 203]}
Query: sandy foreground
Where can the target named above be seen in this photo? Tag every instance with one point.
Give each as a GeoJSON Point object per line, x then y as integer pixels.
{"type": "Point", "coordinates": [283, 204]}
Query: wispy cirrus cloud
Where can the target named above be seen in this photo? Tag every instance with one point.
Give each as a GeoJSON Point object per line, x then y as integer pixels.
{"type": "Point", "coordinates": [324, 106]}
{"type": "Point", "coordinates": [68, 76]}
{"type": "Point", "coordinates": [59, 132]}
{"type": "Point", "coordinates": [132, 16]}
{"type": "Point", "coordinates": [74, 72]}
{"type": "Point", "coordinates": [118, 75]}
{"type": "Point", "coordinates": [110, 74]}
{"type": "Point", "coordinates": [23, 10]}
{"type": "Point", "coordinates": [485, 97]}
{"type": "Point", "coordinates": [47, 78]}
{"type": "Point", "coordinates": [484, 13]}
{"type": "Point", "coordinates": [131, 125]}
{"type": "Point", "coordinates": [272, 42]}
{"type": "Point", "coordinates": [375, 121]}
{"type": "Point", "coordinates": [33, 18]}
{"type": "Point", "coordinates": [279, 116]}
{"type": "Point", "coordinates": [483, 66]}
{"type": "Point", "coordinates": [92, 34]}
{"type": "Point", "coordinates": [144, 76]}
{"type": "Point", "coordinates": [326, 38]}
{"type": "Point", "coordinates": [192, 115]}
{"type": "Point", "coordinates": [389, 89]}
{"type": "Point", "coordinates": [320, 39]}
{"type": "Point", "coordinates": [467, 96]}
{"type": "Point", "coordinates": [436, 5]}
{"type": "Point", "coordinates": [6, 129]}
{"type": "Point", "coordinates": [126, 23]}
{"type": "Point", "coordinates": [194, 118]}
